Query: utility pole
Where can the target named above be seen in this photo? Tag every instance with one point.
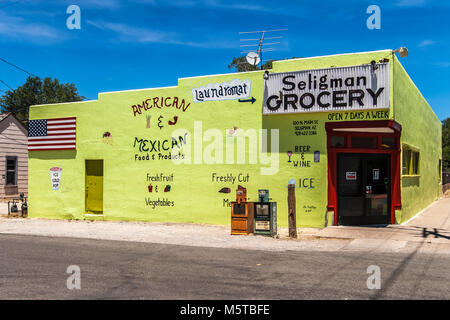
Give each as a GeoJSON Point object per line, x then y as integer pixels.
{"type": "Point", "coordinates": [260, 48]}
{"type": "Point", "coordinates": [260, 44]}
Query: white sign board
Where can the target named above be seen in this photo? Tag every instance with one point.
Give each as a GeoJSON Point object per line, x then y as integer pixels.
{"type": "Point", "coordinates": [327, 90]}
{"type": "Point", "coordinates": [263, 225]}
{"type": "Point", "coordinates": [350, 176]}
{"type": "Point", "coordinates": [55, 177]}
{"type": "Point", "coordinates": [376, 174]}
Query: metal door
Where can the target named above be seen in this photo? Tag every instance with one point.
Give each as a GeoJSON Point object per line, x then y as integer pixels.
{"type": "Point", "coordinates": [94, 186]}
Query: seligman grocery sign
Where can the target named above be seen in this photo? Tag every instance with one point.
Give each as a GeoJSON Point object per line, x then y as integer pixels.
{"type": "Point", "coordinates": [334, 89]}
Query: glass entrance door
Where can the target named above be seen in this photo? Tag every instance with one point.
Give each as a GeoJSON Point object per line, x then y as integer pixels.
{"type": "Point", "coordinates": [363, 189]}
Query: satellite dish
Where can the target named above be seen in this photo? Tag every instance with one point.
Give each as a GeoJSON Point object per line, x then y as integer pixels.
{"type": "Point", "coordinates": [403, 52]}
{"type": "Point", "coordinates": [253, 58]}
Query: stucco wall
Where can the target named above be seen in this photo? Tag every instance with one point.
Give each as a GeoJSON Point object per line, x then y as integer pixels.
{"type": "Point", "coordinates": [194, 190]}
{"type": "Point", "coordinates": [422, 130]}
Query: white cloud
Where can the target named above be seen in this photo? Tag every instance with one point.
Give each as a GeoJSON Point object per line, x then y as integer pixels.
{"type": "Point", "coordinates": [132, 34]}
{"type": "Point", "coordinates": [445, 64]}
{"type": "Point", "coordinates": [127, 33]}
{"type": "Point", "coordinates": [411, 3]}
{"type": "Point", "coordinates": [19, 29]}
{"type": "Point", "coordinates": [214, 4]}
{"type": "Point", "coordinates": [426, 43]}
{"type": "Point", "coordinates": [87, 4]}
{"type": "Point", "coordinates": [101, 4]}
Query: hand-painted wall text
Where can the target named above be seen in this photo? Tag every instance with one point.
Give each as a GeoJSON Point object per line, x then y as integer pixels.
{"type": "Point", "coordinates": [160, 103]}
{"type": "Point", "coordinates": [235, 89]}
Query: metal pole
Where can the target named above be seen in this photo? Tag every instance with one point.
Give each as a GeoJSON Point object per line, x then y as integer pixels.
{"type": "Point", "coordinates": [292, 213]}
{"type": "Point", "coordinates": [260, 49]}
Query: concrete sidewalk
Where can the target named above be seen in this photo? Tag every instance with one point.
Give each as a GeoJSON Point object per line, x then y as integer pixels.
{"type": "Point", "coordinates": [429, 231]}
{"type": "Point", "coordinates": [431, 225]}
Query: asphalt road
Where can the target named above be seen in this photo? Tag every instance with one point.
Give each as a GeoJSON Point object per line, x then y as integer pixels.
{"type": "Point", "coordinates": [34, 267]}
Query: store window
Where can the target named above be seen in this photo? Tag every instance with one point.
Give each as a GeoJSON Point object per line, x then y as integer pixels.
{"type": "Point", "coordinates": [11, 170]}
{"type": "Point", "coordinates": [415, 163]}
{"type": "Point", "coordinates": [388, 143]}
{"type": "Point", "coordinates": [440, 169]}
{"type": "Point", "coordinates": [337, 141]}
{"type": "Point", "coordinates": [406, 161]}
{"type": "Point", "coordinates": [364, 142]}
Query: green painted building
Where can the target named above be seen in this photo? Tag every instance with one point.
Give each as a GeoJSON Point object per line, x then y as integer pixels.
{"type": "Point", "coordinates": [351, 131]}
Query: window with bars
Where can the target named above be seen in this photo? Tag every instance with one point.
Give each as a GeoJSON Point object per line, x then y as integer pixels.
{"type": "Point", "coordinates": [11, 171]}
{"type": "Point", "coordinates": [440, 169]}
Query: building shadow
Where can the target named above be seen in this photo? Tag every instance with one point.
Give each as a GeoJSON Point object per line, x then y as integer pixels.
{"type": "Point", "coordinates": [422, 232]}
{"type": "Point", "coordinates": [410, 181]}
{"type": "Point", "coordinates": [374, 225]}
{"type": "Point", "coordinates": [52, 154]}
{"type": "Point", "coordinates": [435, 233]}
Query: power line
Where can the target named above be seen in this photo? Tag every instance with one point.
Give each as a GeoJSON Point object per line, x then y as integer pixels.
{"type": "Point", "coordinates": [263, 31]}
{"type": "Point", "coordinates": [6, 85]}
{"type": "Point", "coordinates": [258, 39]}
{"type": "Point", "coordinates": [17, 67]}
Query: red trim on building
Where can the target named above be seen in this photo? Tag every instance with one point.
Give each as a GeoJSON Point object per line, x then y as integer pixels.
{"type": "Point", "coordinates": [396, 202]}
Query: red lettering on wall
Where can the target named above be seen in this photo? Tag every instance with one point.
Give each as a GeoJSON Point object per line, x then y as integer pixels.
{"type": "Point", "coordinates": [135, 110]}
{"type": "Point", "coordinates": [160, 102]}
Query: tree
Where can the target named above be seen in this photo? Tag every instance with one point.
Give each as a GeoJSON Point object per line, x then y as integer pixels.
{"type": "Point", "coordinates": [37, 91]}
{"type": "Point", "coordinates": [241, 65]}
{"type": "Point", "coordinates": [446, 145]}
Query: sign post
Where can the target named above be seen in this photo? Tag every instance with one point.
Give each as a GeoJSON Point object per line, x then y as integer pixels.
{"type": "Point", "coordinates": [292, 213]}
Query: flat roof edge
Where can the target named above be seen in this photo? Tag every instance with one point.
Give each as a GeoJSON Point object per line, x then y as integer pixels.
{"type": "Point", "coordinates": [142, 89]}
{"type": "Point", "coordinates": [334, 55]}
{"type": "Point", "coordinates": [220, 74]}
{"type": "Point", "coordinates": [58, 103]}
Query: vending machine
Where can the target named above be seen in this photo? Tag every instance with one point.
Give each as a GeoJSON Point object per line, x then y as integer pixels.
{"type": "Point", "coordinates": [265, 215]}
{"type": "Point", "coordinates": [242, 213]}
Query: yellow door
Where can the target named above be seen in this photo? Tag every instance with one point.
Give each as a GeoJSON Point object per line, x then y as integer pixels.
{"type": "Point", "coordinates": [94, 186]}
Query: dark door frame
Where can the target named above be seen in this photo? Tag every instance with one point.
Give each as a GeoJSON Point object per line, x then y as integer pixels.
{"type": "Point", "coordinates": [361, 129]}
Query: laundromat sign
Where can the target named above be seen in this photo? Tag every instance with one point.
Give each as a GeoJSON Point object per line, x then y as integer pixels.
{"type": "Point", "coordinates": [324, 90]}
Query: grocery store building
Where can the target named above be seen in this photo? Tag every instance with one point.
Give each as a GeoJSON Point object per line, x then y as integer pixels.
{"type": "Point", "coordinates": [351, 131]}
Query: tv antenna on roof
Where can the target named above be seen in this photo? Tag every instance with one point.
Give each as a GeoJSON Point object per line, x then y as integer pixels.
{"type": "Point", "coordinates": [251, 57]}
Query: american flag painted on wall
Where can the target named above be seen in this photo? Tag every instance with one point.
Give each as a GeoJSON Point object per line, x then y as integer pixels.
{"type": "Point", "coordinates": [52, 134]}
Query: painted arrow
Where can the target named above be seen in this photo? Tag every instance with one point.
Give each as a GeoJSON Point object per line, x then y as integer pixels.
{"type": "Point", "coordinates": [252, 100]}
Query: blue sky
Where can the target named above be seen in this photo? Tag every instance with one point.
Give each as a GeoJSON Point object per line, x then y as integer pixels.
{"type": "Point", "coordinates": [149, 43]}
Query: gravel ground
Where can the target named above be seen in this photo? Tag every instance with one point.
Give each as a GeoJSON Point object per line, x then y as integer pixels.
{"type": "Point", "coordinates": [200, 236]}
{"type": "Point", "coordinates": [163, 233]}
{"type": "Point", "coordinates": [395, 238]}
{"type": "Point", "coordinates": [3, 207]}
